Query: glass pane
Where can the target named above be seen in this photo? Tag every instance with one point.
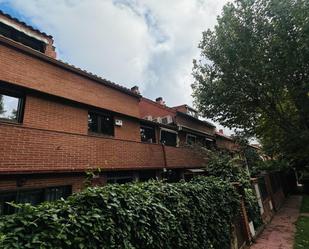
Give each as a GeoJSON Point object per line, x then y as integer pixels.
{"type": "Point", "coordinates": [6, 208]}
{"type": "Point", "coordinates": [168, 138]}
{"type": "Point", "coordinates": [191, 140]}
{"type": "Point", "coordinates": [55, 193]}
{"type": "Point", "coordinates": [107, 125]}
{"type": "Point", "coordinates": [92, 122]}
{"type": "Point", "coordinates": [147, 134]}
{"type": "Point", "coordinates": [8, 107]}
{"type": "Point", "coordinates": [33, 197]}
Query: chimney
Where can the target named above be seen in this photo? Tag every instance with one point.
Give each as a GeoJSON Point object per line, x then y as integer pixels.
{"type": "Point", "coordinates": [135, 90]}
{"type": "Point", "coordinates": [160, 101]}
{"type": "Point", "coordinates": [221, 131]}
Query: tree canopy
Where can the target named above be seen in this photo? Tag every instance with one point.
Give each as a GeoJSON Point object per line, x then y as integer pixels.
{"type": "Point", "coordinates": [1, 105]}
{"type": "Point", "coordinates": [253, 73]}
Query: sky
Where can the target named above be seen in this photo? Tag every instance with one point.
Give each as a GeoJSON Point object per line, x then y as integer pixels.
{"type": "Point", "coordinates": [148, 43]}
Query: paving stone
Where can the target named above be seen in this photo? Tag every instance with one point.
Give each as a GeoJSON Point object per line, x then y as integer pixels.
{"type": "Point", "coordinates": [279, 234]}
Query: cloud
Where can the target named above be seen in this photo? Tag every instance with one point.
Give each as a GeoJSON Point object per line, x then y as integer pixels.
{"type": "Point", "coordinates": [132, 42]}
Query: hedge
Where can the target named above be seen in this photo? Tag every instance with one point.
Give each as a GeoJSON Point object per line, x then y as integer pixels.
{"type": "Point", "coordinates": [155, 214]}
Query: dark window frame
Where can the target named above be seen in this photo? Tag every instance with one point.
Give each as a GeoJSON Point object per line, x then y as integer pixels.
{"type": "Point", "coordinates": [16, 196]}
{"type": "Point", "coordinates": [192, 136]}
{"type": "Point", "coordinates": [153, 138]}
{"type": "Point", "coordinates": [171, 132]}
{"type": "Point", "coordinates": [99, 116]}
{"type": "Point", "coordinates": [20, 105]}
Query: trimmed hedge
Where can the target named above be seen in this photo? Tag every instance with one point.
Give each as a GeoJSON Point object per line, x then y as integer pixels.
{"type": "Point", "coordinates": [194, 214]}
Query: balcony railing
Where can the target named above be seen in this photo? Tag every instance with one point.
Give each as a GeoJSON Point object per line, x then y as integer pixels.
{"type": "Point", "coordinates": [32, 150]}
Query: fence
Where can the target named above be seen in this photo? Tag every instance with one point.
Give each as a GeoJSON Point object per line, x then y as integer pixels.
{"type": "Point", "coordinates": [271, 190]}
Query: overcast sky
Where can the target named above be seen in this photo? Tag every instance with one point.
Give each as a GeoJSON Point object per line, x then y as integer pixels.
{"type": "Point", "coordinates": [148, 43]}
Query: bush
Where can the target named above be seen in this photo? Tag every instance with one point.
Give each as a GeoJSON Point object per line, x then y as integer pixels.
{"type": "Point", "coordinates": [150, 215]}
{"type": "Point", "coordinates": [233, 170]}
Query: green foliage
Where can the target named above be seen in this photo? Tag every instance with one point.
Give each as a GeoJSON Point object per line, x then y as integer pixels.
{"type": "Point", "coordinates": [302, 233]}
{"type": "Point", "coordinates": [233, 170]}
{"type": "Point", "coordinates": [1, 105]}
{"type": "Point", "coordinates": [305, 204]}
{"type": "Point", "coordinates": [90, 174]}
{"type": "Point", "coordinates": [253, 73]}
{"type": "Point", "coordinates": [270, 165]}
{"type": "Point", "coordinates": [221, 165]}
{"type": "Point", "coordinates": [148, 215]}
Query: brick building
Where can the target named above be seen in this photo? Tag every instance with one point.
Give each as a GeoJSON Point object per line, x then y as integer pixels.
{"type": "Point", "coordinates": [58, 121]}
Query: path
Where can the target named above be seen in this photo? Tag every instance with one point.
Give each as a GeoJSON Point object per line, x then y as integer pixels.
{"type": "Point", "coordinates": [279, 234]}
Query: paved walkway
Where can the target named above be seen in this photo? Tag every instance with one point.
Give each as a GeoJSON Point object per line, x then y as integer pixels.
{"type": "Point", "coordinates": [279, 234]}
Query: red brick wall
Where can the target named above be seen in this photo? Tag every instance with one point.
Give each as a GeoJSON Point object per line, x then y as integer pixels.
{"type": "Point", "coordinates": [50, 115]}
{"type": "Point", "coordinates": [224, 143]}
{"type": "Point", "coordinates": [184, 157]}
{"type": "Point", "coordinates": [25, 70]}
{"type": "Point", "coordinates": [182, 108]}
{"type": "Point", "coordinates": [27, 149]}
{"type": "Point", "coordinates": [130, 129]}
{"type": "Point", "coordinates": [148, 107]}
{"type": "Point", "coordinates": [42, 181]}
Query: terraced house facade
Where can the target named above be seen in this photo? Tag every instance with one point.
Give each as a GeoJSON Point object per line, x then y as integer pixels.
{"type": "Point", "coordinates": [58, 121]}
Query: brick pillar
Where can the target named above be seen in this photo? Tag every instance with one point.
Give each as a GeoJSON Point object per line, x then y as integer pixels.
{"type": "Point", "coordinates": [245, 221]}
{"type": "Point", "coordinates": [243, 214]}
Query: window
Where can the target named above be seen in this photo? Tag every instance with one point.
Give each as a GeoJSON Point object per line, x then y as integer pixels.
{"type": "Point", "coordinates": [34, 197]}
{"type": "Point", "coordinates": [168, 138]}
{"type": "Point", "coordinates": [191, 139]}
{"type": "Point", "coordinates": [101, 123]}
{"type": "Point", "coordinates": [208, 143]}
{"type": "Point", "coordinates": [145, 176]}
{"type": "Point", "coordinates": [147, 134]}
{"type": "Point", "coordinates": [10, 107]}
{"type": "Point", "coordinates": [55, 193]}
{"type": "Point", "coordinates": [119, 177]}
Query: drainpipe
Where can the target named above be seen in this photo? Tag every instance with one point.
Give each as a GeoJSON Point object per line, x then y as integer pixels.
{"type": "Point", "coordinates": [164, 156]}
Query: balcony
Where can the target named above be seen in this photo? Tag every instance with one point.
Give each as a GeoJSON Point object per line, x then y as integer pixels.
{"type": "Point", "coordinates": [34, 150]}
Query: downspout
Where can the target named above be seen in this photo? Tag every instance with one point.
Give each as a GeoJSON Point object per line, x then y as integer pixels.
{"type": "Point", "coordinates": [164, 156]}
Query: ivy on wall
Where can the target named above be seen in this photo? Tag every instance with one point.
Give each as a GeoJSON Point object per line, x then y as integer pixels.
{"type": "Point", "coordinates": [234, 170]}
{"type": "Point", "coordinates": [150, 215]}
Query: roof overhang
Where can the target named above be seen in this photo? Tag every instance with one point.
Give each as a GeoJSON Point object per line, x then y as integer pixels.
{"type": "Point", "coordinates": [196, 132]}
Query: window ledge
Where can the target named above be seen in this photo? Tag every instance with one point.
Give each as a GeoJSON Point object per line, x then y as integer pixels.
{"type": "Point", "coordinates": [94, 134]}
{"type": "Point", "coordinates": [7, 121]}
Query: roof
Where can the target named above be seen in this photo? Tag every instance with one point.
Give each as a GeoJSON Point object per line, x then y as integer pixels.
{"type": "Point", "coordinates": [24, 24]}
{"type": "Point", "coordinates": [186, 106]}
{"type": "Point", "coordinates": [195, 131]}
{"type": "Point", "coordinates": [66, 66]}
{"type": "Point", "coordinates": [196, 119]}
{"type": "Point", "coordinates": [150, 122]}
{"type": "Point", "coordinates": [224, 136]}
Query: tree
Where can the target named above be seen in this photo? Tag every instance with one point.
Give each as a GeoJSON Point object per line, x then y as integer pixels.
{"type": "Point", "coordinates": [253, 73]}
{"type": "Point", "coordinates": [1, 105]}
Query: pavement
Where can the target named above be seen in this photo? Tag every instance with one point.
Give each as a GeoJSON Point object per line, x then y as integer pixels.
{"type": "Point", "coordinates": [279, 234]}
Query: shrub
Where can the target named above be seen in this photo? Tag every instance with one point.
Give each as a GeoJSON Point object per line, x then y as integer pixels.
{"type": "Point", "coordinates": [233, 170]}
{"type": "Point", "coordinates": [150, 215]}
